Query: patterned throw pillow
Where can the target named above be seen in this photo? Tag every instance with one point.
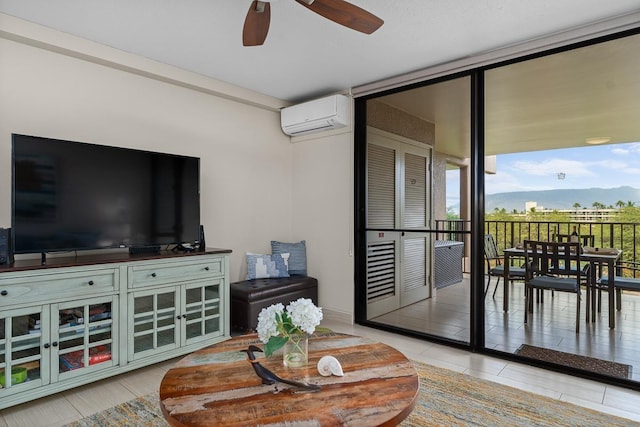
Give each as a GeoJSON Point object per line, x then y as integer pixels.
{"type": "Point", "coordinates": [298, 258]}
{"type": "Point", "coordinates": [265, 266]}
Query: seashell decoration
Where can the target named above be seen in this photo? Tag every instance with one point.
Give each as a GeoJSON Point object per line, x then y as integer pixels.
{"type": "Point", "coordinates": [329, 365]}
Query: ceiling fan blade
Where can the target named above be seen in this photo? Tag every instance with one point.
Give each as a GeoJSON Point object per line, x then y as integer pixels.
{"type": "Point", "coordinates": [256, 24]}
{"type": "Point", "coordinates": [344, 13]}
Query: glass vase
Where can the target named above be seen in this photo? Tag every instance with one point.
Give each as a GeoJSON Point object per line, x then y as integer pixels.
{"type": "Point", "coordinates": [296, 351]}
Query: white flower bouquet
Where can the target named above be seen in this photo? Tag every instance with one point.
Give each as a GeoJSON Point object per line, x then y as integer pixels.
{"type": "Point", "coordinates": [276, 325]}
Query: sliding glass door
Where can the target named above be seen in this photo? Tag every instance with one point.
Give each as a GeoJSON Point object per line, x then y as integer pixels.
{"type": "Point", "coordinates": [553, 147]}
{"type": "Point", "coordinates": [416, 276]}
{"type": "Point", "coordinates": [564, 129]}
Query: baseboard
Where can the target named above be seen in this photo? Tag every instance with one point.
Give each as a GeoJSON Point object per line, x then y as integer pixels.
{"type": "Point", "coordinates": [337, 316]}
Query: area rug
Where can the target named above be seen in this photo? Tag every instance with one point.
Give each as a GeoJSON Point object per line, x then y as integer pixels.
{"type": "Point", "coordinates": [591, 364]}
{"type": "Point", "coordinates": [446, 398]}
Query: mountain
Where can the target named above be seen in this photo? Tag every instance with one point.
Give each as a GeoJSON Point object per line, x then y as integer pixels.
{"type": "Point", "coordinates": [562, 199]}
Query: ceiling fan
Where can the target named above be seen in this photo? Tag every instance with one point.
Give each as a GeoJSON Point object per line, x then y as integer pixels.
{"type": "Point", "coordinates": [256, 24]}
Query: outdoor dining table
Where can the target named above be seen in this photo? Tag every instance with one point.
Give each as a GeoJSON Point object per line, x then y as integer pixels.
{"type": "Point", "coordinates": [597, 259]}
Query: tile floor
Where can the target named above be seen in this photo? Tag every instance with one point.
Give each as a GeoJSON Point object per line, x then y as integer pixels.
{"type": "Point", "coordinates": [74, 404]}
{"type": "Point", "coordinates": [551, 325]}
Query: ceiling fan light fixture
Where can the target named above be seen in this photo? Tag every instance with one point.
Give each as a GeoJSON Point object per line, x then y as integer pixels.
{"type": "Point", "coordinates": [596, 140]}
{"type": "Point", "coordinates": [256, 24]}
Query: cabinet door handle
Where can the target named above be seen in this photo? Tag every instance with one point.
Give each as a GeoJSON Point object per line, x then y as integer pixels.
{"type": "Point", "coordinates": [153, 274]}
{"type": "Point", "coordinates": [178, 317]}
{"type": "Point", "coordinates": [54, 344]}
{"type": "Point", "coordinates": [184, 316]}
{"type": "Point", "coordinates": [206, 268]}
{"type": "Point", "coordinates": [46, 345]}
{"type": "Point", "coordinates": [4, 293]}
{"type": "Point", "coordinates": [90, 282]}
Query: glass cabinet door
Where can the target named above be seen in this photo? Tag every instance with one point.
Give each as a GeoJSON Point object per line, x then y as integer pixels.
{"type": "Point", "coordinates": [201, 311]}
{"type": "Point", "coordinates": [22, 338]}
{"type": "Point", "coordinates": [86, 334]}
{"type": "Point", "coordinates": [154, 319]}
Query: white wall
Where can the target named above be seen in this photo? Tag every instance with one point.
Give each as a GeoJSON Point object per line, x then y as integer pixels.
{"type": "Point", "coordinates": [246, 164]}
{"type": "Point", "coordinates": [323, 215]}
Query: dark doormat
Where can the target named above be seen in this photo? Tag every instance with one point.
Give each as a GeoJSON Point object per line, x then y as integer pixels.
{"type": "Point", "coordinates": [605, 367]}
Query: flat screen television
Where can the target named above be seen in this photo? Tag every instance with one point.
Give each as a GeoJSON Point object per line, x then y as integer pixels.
{"type": "Point", "coordinates": [70, 196]}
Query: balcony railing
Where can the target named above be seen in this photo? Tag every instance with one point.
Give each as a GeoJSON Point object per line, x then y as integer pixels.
{"type": "Point", "coordinates": [620, 235]}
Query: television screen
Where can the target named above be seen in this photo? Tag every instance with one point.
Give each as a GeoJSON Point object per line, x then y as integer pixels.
{"type": "Point", "coordinates": [73, 195]}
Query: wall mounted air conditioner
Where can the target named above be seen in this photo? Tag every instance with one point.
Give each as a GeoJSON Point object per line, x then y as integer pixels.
{"type": "Point", "coordinates": [331, 112]}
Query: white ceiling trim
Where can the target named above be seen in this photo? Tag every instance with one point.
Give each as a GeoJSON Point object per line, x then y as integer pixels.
{"type": "Point", "coordinates": [28, 33]}
{"type": "Point", "coordinates": [565, 38]}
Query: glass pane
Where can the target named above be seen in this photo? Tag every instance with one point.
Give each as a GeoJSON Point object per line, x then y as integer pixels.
{"type": "Point", "coordinates": [193, 315]}
{"type": "Point", "coordinates": [85, 335]}
{"type": "Point", "coordinates": [565, 126]}
{"type": "Point", "coordinates": [167, 319]}
{"type": "Point", "coordinates": [99, 354]}
{"type": "Point", "coordinates": [212, 325]}
{"type": "Point", "coordinates": [417, 278]}
{"type": "Point", "coordinates": [166, 337]}
{"type": "Point", "coordinates": [166, 300]}
{"type": "Point", "coordinates": [25, 347]}
{"type": "Point", "coordinates": [71, 329]}
{"type": "Point", "coordinates": [211, 309]}
{"type": "Point", "coordinates": [155, 318]}
{"type": "Point", "coordinates": [211, 292]}
{"type": "Point", "coordinates": [99, 312]}
{"type": "Point", "coordinates": [25, 340]}
{"type": "Point", "coordinates": [143, 323]}
{"type": "Point", "coordinates": [70, 317]}
{"type": "Point", "coordinates": [143, 304]}
{"type": "Point", "coordinates": [194, 330]}
{"type": "Point", "coordinates": [142, 343]}
{"type": "Point", "coordinates": [33, 369]}
{"type": "Point", "coordinates": [194, 295]}
{"type": "Point", "coordinates": [78, 358]}
{"type": "Point", "coordinates": [100, 323]}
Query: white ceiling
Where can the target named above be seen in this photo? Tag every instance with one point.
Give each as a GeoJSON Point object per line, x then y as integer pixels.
{"type": "Point", "coordinates": [551, 102]}
{"type": "Point", "coordinates": [305, 55]}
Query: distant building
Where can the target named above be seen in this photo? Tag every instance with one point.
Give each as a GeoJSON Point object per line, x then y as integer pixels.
{"type": "Point", "coordinates": [576, 215]}
{"type": "Point", "coordinates": [532, 205]}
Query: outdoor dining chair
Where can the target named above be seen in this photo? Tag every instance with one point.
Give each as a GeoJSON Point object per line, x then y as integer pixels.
{"type": "Point", "coordinates": [551, 266]}
{"type": "Point", "coordinates": [495, 267]}
{"type": "Point", "coordinates": [627, 279]}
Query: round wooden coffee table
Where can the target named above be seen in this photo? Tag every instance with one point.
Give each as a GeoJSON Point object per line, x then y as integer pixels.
{"type": "Point", "coordinates": [217, 386]}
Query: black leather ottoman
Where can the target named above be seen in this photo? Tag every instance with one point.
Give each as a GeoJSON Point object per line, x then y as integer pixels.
{"type": "Point", "coordinates": [250, 296]}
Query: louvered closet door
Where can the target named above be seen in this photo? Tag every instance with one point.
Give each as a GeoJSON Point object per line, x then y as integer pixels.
{"type": "Point", "coordinates": [415, 284]}
{"type": "Point", "coordinates": [416, 253]}
{"type": "Point", "coordinates": [383, 293]}
{"type": "Point", "coordinates": [415, 191]}
{"type": "Point", "coordinates": [381, 187]}
{"type": "Point", "coordinates": [398, 185]}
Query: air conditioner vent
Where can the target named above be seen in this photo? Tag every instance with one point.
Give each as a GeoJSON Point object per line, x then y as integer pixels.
{"type": "Point", "coordinates": [331, 112]}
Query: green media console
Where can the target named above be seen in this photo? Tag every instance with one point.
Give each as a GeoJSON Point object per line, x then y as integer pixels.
{"type": "Point", "coordinates": [80, 319]}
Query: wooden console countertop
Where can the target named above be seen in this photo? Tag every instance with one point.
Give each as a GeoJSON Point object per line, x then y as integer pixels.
{"type": "Point", "coordinates": [99, 258]}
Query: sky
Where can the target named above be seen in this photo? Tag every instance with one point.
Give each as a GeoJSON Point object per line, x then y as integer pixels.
{"type": "Point", "coordinates": [601, 166]}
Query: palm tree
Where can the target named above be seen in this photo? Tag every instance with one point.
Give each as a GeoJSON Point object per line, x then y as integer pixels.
{"type": "Point", "coordinates": [576, 205]}
{"type": "Point", "coordinates": [620, 204]}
